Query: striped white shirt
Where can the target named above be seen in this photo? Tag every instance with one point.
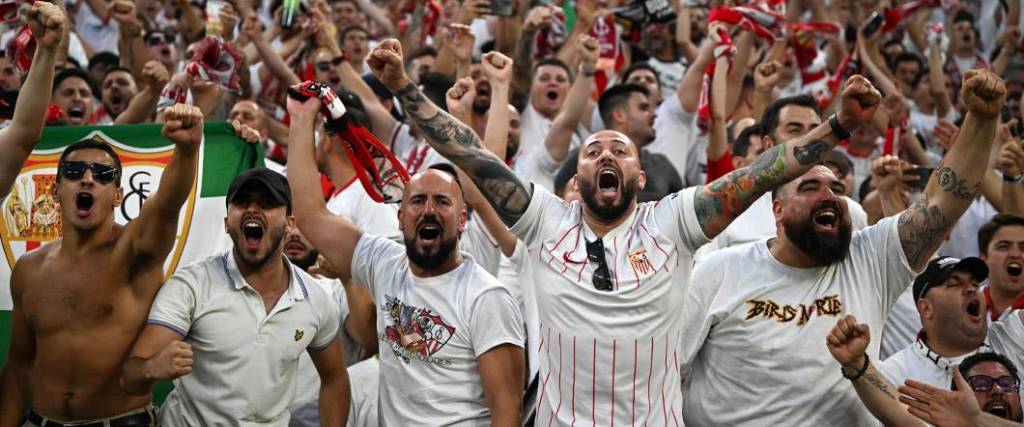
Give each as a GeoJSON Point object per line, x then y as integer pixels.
{"type": "Point", "coordinates": [610, 357]}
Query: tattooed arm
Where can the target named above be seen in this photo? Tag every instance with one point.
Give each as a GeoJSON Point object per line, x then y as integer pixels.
{"type": "Point", "coordinates": [955, 183]}
{"type": "Point", "coordinates": [724, 199]}
{"type": "Point", "coordinates": [454, 140]}
{"type": "Point", "coordinates": [848, 342]}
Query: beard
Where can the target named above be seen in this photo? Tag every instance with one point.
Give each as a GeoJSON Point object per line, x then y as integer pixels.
{"type": "Point", "coordinates": [305, 261]}
{"type": "Point", "coordinates": [1001, 413]}
{"type": "Point", "coordinates": [429, 260]}
{"type": "Point", "coordinates": [256, 261]}
{"type": "Point", "coordinates": [821, 247]}
{"type": "Point", "coordinates": [481, 107]}
{"type": "Point", "coordinates": [614, 210]}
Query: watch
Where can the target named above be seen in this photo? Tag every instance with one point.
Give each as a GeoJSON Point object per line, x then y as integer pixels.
{"type": "Point", "coordinates": [1014, 179]}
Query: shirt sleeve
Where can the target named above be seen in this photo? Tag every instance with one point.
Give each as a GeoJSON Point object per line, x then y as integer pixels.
{"type": "Point", "coordinates": [677, 219]}
{"type": "Point", "coordinates": [705, 282]}
{"type": "Point", "coordinates": [543, 214]}
{"type": "Point", "coordinates": [478, 243]}
{"type": "Point", "coordinates": [496, 320]}
{"type": "Point", "coordinates": [329, 326]}
{"type": "Point", "coordinates": [175, 305]}
{"type": "Point", "coordinates": [880, 247]}
{"type": "Point", "coordinates": [370, 254]}
{"type": "Point", "coordinates": [1007, 337]}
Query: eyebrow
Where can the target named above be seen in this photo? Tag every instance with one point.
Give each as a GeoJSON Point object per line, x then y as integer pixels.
{"type": "Point", "coordinates": [598, 141]}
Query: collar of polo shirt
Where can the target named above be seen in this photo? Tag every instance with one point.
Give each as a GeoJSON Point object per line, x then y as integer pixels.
{"type": "Point", "coordinates": [298, 292]}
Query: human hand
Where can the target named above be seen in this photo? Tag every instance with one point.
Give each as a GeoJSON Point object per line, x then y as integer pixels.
{"type": "Point", "coordinates": [946, 133]}
{"type": "Point", "coordinates": [589, 51]}
{"type": "Point", "coordinates": [497, 67]}
{"type": "Point", "coordinates": [123, 11]}
{"type": "Point", "coordinates": [303, 110]}
{"type": "Point", "coordinates": [47, 23]}
{"type": "Point", "coordinates": [538, 17]}
{"type": "Point", "coordinates": [461, 42]}
{"type": "Point", "coordinates": [155, 75]}
{"type": "Point", "coordinates": [858, 102]}
{"type": "Point", "coordinates": [940, 407]}
{"type": "Point", "coordinates": [984, 94]}
{"type": "Point", "coordinates": [459, 98]}
{"type": "Point", "coordinates": [183, 124]}
{"type": "Point", "coordinates": [887, 173]}
{"type": "Point", "coordinates": [386, 63]}
{"type": "Point", "coordinates": [848, 342]}
{"type": "Point", "coordinates": [247, 133]}
{"type": "Point", "coordinates": [171, 362]}
{"type": "Point", "coordinates": [766, 75]}
{"type": "Point", "coordinates": [471, 9]}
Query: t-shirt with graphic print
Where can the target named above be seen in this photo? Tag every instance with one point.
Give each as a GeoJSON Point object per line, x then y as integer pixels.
{"type": "Point", "coordinates": [431, 332]}
{"type": "Point", "coordinates": [754, 349]}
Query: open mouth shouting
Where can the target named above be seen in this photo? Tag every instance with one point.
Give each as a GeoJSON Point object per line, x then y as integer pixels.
{"type": "Point", "coordinates": [999, 407]}
{"type": "Point", "coordinates": [973, 309]}
{"type": "Point", "coordinates": [609, 183]}
{"type": "Point", "coordinates": [826, 219]}
{"type": "Point", "coordinates": [253, 231]}
{"type": "Point", "coordinates": [1014, 269]}
{"type": "Point", "coordinates": [76, 114]}
{"type": "Point", "coordinates": [429, 231]}
{"type": "Point", "coordinates": [83, 204]}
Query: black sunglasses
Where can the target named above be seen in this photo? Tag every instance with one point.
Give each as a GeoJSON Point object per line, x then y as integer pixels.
{"type": "Point", "coordinates": [156, 39]}
{"type": "Point", "coordinates": [602, 278]}
{"type": "Point", "coordinates": [326, 65]}
{"type": "Point", "coordinates": [984, 383]}
{"type": "Point", "coordinates": [104, 174]}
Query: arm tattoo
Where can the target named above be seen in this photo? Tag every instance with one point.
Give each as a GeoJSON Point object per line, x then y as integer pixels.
{"type": "Point", "coordinates": [922, 227]}
{"type": "Point", "coordinates": [811, 152]}
{"type": "Point", "coordinates": [951, 183]}
{"type": "Point", "coordinates": [727, 197]}
{"type": "Point", "coordinates": [459, 144]}
{"type": "Point", "coordinates": [879, 384]}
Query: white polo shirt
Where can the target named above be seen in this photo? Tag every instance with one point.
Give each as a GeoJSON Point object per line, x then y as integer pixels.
{"type": "Point", "coordinates": [245, 358]}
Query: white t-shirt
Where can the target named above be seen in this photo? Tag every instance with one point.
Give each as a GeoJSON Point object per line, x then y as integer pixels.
{"type": "Point", "coordinates": [901, 326]}
{"type": "Point", "coordinates": [675, 136]}
{"type": "Point", "coordinates": [478, 243]}
{"type": "Point", "coordinates": [352, 203]}
{"type": "Point", "coordinates": [102, 36]}
{"type": "Point", "coordinates": [245, 359]}
{"type": "Point", "coordinates": [758, 222]}
{"type": "Point", "coordinates": [413, 152]}
{"type": "Point", "coordinates": [432, 330]}
{"type": "Point", "coordinates": [670, 74]}
{"type": "Point", "coordinates": [609, 357]}
{"type": "Point", "coordinates": [754, 347]}
{"type": "Point", "coordinates": [537, 166]}
{"type": "Point", "coordinates": [962, 241]}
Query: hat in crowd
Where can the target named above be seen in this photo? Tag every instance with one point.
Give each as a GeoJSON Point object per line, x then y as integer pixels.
{"type": "Point", "coordinates": [275, 184]}
{"type": "Point", "coordinates": [840, 161]}
{"type": "Point", "coordinates": [354, 106]}
{"type": "Point", "coordinates": [942, 268]}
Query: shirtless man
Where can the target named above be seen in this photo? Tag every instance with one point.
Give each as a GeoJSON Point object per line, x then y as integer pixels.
{"type": "Point", "coordinates": [80, 302]}
{"type": "Point", "coordinates": [17, 140]}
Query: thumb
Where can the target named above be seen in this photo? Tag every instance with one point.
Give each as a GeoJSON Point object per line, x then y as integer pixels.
{"type": "Point", "coordinates": [958, 379]}
{"type": "Point", "coordinates": [171, 126]}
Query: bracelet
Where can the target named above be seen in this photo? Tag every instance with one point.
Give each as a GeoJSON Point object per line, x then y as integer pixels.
{"type": "Point", "coordinates": [1014, 179]}
{"type": "Point", "coordinates": [859, 373]}
{"type": "Point", "coordinates": [837, 128]}
{"type": "Point", "coordinates": [588, 73]}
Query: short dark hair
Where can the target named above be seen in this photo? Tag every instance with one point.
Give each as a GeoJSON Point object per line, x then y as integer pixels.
{"type": "Point", "coordinates": [642, 65]}
{"type": "Point", "coordinates": [116, 69]}
{"type": "Point", "coordinates": [554, 62]}
{"type": "Point", "coordinates": [617, 97]}
{"type": "Point", "coordinates": [421, 52]}
{"type": "Point", "coordinates": [435, 86]}
{"type": "Point", "coordinates": [68, 73]}
{"type": "Point", "coordinates": [95, 144]}
{"type": "Point", "coordinates": [986, 356]}
{"type": "Point", "coordinates": [907, 57]}
{"type": "Point", "coordinates": [104, 57]}
{"type": "Point", "coordinates": [770, 118]}
{"type": "Point", "coordinates": [353, 28]}
{"type": "Point", "coordinates": [990, 228]}
{"type": "Point", "coordinates": [741, 146]}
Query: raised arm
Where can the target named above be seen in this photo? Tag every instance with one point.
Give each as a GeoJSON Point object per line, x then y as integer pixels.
{"type": "Point", "coordinates": [718, 141]}
{"type": "Point", "coordinates": [721, 201]}
{"type": "Point", "coordinates": [334, 236]}
{"type": "Point", "coordinates": [17, 140]}
{"type": "Point", "coordinates": [848, 342]}
{"type": "Point", "coordinates": [1011, 165]}
{"type": "Point", "coordinates": [151, 234]}
{"type": "Point", "coordinates": [143, 104]}
{"type": "Point", "coordinates": [937, 82]}
{"type": "Point", "coordinates": [538, 17]}
{"type": "Point", "coordinates": [957, 180]}
{"type": "Point", "coordinates": [452, 139]}
{"type": "Point", "coordinates": [560, 135]}
{"type": "Point", "coordinates": [690, 87]}
{"type": "Point", "coordinates": [130, 44]}
{"type": "Point", "coordinates": [271, 59]}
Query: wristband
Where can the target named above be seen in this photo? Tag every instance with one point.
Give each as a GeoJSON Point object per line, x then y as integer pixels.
{"type": "Point", "coordinates": [588, 72]}
{"type": "Point", "coordinates": [859, 373]}
{"type": "Point", "coordinates": [837, 128]}
{"type": "Point", "coordinates": [1014, 179]}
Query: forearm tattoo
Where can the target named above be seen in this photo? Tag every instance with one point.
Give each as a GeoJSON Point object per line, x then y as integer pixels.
{"type": "Point", "coordinates": [811, 152]}
{"type": "Point", "coordinates": [459, 144]}
{"type": "Point", "coordinates": [727, 197]}
{"type": "Point", "coordinates": [922, 227]}
{"type": "Point", "coordinates": [878, 384]}
{"type": "Point", "coordinates": [953, 184]}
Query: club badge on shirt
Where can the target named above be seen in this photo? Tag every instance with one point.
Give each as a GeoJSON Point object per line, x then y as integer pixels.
{"type": "Point", "coordinates": [640, 262]}
{"type": "Point", "coordinates": [298, 335]}
{"type": "Point", "coordinates": [784, 313]}
{"type": "Point", "coordinates": [415, 333]}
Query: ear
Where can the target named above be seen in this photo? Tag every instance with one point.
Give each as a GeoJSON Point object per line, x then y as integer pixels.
{"type": "Point", "coordinates": [226, 224]}
{"type": "Point", "coordinates": [575, 186]}
{"type": "Point", "coordinates": [463, 218]}
{"type": "Point", "coordinates": [924, 307]}
{"type": "Point", "coordinates": [642, 180]}
{"type": "Point", "coordinates": [401, 225]}
{"type": "Point", "coordinates": [777, 208]}
{"type": "Point", "coordinates": [767, 142]}
{"type": "Point", "coordinates": [737, 162]}
{"type": "Point", "coordinates": [619, 115]}
{"type": "Point", "coordinates": [118, 196]}
{"type": "Point", "coordinates": [983, 256]}
{"type": "Point", "coordinates": [290, 223]}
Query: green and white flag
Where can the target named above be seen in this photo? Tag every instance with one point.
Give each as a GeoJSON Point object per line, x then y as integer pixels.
{"type": "Point", "coordinates": [31, 216]}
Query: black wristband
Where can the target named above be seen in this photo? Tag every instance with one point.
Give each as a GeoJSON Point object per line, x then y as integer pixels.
{"type": "Point", "coordinates": [859, 373]}
{"type": "Point", "coordinates": [837, 128]}
{"type": "Point", "coordinates": [1014, 179]}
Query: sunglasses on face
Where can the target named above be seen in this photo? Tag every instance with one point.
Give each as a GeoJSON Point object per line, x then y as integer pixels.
{"type": "Point", "coordinates": [104, 174]}
{"type": "Point", "coordinates": [156, 40]}
{"type": "Point", "coordinates": [984, 383]}
{"type": "Point", "coordinates": [323, 65]}
{"type": "Point", "coordinates": [602, 278]}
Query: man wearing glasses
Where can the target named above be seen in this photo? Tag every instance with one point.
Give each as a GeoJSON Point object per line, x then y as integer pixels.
{"type": "Point", "coordinates": [990, 377]}
{"type": "Point", "coordinates": [79, 302]}
{"type": "Point", "coordinates": [611, 275]}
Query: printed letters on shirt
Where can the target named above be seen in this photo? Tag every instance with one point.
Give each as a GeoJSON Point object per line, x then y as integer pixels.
{"type": "Point", "coordinates": [802, 313]}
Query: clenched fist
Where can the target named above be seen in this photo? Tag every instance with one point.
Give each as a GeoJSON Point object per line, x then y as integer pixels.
{"type": "Point", "coordinates": [155, 75]}
{"type": "Point", "coordinates": [497, 67]}
{"type": "Point", "coordinates": [172, 362]}
{"type": "Point", "coordinates": [848, 341]}
{"type": "Point", "coordinates": [460, 97]}
{"type": "Point", "coordinates": [386, 63]}
{"type": "Point", "coordinates": [858, 102]}
{"type": "Point", "coordinates": [47, 23]}
{"type": "Point", "coordinates": [589, 51]}
{"type": "Point", "coordinates": [766, 75]}
{"type": "Point", "coordinates": [248, 134]}
{"type": "Point", "coordinates": [183, 124]}
{"type": "Point", "coordinates": [984, 93]}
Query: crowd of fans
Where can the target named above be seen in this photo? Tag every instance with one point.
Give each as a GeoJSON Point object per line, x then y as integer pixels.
{"type": "Point", "coordinates": [810, 165]}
